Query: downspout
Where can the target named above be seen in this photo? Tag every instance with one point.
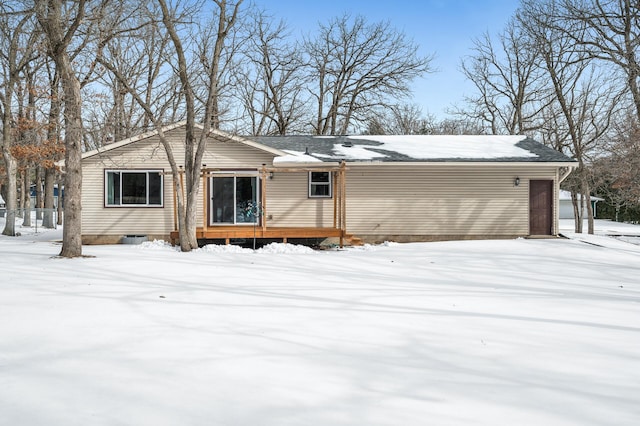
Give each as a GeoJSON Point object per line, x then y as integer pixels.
{"type": "Point", "coordinates": [565, 174]}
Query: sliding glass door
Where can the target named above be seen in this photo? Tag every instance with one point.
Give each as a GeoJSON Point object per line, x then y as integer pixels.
{"type": "Point", "coordinates": [234, 200]}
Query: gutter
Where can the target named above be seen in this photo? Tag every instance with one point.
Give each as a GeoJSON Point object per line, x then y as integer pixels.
{"type": "Point", "coordinates": [569, 165]}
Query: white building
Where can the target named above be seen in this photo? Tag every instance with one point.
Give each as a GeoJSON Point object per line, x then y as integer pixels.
{"type": "Point", "coordinates": [566, 205]}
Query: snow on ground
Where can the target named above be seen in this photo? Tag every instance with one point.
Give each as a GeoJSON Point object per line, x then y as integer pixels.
{"type": "Point", "coordinates": [517, 332]}
{"type": "Point", "coordinates": [606, 232]}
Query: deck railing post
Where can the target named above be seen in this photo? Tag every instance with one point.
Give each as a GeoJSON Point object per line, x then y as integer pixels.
{"type": "Point", "coordinates": [335, 199]}
{"type": "Point", "coordinates": [343, 170]}
{"type": "Point", "coordinates": [343, 201]}
{"type": "Point", "coordinates": [205, 198]}
{"type": "Point", "coordinates": [175, 204]}
{"type": "Point", "coordinates": [263, 198]}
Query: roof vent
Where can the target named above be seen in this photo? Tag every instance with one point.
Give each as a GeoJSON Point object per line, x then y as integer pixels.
{"type": "Point", "coordinates": [306, 151]}
{"type": "Point", "coordinates": [348, 144]}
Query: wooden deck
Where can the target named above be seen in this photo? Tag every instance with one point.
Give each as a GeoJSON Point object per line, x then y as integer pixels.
{"type": "Point", "coordinates": [228, 233]}
{"type": "Point", "coordinates": [261, 231]}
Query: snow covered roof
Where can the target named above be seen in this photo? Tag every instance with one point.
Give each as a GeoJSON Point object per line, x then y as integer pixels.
{"type": "Point", "coordinates": [315, 150]}
{"type": "Point", "coordinates": [415, 148]}
{"type": "Point", "coordinates": [294, 157]}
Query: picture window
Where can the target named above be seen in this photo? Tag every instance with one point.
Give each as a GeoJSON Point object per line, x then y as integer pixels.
{"type": "Point", "coordinates": [134, 188]}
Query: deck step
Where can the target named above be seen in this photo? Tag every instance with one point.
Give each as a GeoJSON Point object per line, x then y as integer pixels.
{"type": "Point", "coordinates": [352, 240]}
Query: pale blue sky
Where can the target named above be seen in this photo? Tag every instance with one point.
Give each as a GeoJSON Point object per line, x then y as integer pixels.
{"type": "Point", "coordinates": [441, 27]}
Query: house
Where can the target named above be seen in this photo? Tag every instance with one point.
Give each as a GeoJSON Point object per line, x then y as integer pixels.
{"type": "Point", "coordinates": [566, 205]}
{"type": "Point", "coordinates": [353, 188]}
{"type": "Point", "coordinates": [56, 193]}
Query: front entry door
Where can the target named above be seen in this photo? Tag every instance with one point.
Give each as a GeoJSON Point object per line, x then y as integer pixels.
{"type": "Point", "coordinates": [234, 200]}
{"type": "Point", "coordinates": [540, 207]}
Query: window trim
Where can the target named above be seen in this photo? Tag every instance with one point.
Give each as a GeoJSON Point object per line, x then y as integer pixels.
{"type": "Point", "coordinates": [329, 184]}
{"type": "Point", "coordinates": [125, 171]}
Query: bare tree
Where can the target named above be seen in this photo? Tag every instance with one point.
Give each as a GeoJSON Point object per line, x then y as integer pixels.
{"type": "Point", "coordinates": [271, 84]}
{"type": "Point", "coordinates": [53, 141]}
{"type": "Point", "coordinates": [510, 87]}
{"type": "Point", "coordinates": [583, 97]}
{"type": "Point", "coordinates": [407, 119]}
{"type": "Point", "coordinates": [17, 40]}
{"type": "Point", "coordinates": [217, 49]}
{"type": "Point", "coordinates": [455, 126]}
{"type": "Point", "coordinates": [616, 174]}
{"type": "Point", "coordinates": [194, 149]}
{"type": "Point", "coordinates": [25, 131]}
{"type": "Point", "coordinates": [74, 31]}
{"type": "Point", "coordinates": [141, 54]}
{"type": "Point", "coordinates": [356, 66]}
{"type": "Point", "coordinates": [59, 34]}
{"type": "Point", "coordinates": [610, 32]}
{"type": "Point", "coordinates": [187, 200]}
{"type": "Point", "coordinates": [403, 119]}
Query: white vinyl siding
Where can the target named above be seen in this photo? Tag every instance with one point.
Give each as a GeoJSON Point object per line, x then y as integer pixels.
{"type": "Point", "coordinates": [288, 203]}
{"type": "Point", "coordinates": [440, 200]}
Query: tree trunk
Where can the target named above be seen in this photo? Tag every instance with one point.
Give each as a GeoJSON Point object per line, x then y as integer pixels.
{"type": "Point", "coordinates": [178, 184]}
{"type": "Point", "coordinates": [60, 205]}
{"type": "Point", "coordinates": [72, 230]}
{"type": "Point", "coordinates": [10, 165]}
{"type": "Point", "coordinates": [59, 33]}
{"type": "Point", "coordinates": [11, 198]}
{"type": "Point", "coordinates": [39, 195]}
{"type": "Point", "coordinates": [53, 137]}
{"type": "Point", "coordinates": [586, 199]}
{"type": "Point", "coordinates": [12, 67]}
{"type": "Point", "coordinates": [20, 186]}
{"type": "Point", "coordinates": [191, 213]}
{"type": "Point", "coordinates": [26, 198]}
{"type": "Point", "coordinates": [577, 211]}
{"type": "Point", "coordinates": [49, 188]}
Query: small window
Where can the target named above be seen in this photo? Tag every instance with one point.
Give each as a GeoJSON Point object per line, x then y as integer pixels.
{"type": "Point", "coordinates": [133, 188]}
{"type": "Point", "coordinates": [320, 184]}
